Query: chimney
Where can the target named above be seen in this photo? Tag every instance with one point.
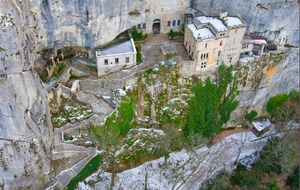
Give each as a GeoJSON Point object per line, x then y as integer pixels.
{"type": "Point", "coordinates": [98, 53]}
{"type": "Point", "coordinates": [223, 14]}
{"type": "Point", "coordinates": [226, 21]}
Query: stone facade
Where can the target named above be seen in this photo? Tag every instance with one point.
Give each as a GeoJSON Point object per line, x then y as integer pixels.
{"type": "Point", "coordinates": [163, 22]}
{"type": "Point", "coordinates": [115, 57]}
{"type": "Point", "coordinates": [211, 41]}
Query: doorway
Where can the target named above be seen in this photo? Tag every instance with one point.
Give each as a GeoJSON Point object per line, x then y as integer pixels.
{"type": "Point", "coordinates": [156, 25]}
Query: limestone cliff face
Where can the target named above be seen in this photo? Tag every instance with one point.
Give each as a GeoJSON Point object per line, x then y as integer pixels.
{"type": "Point", "coordinates": [94, 22]}
{"type": "Point", "coordinates": [25, 128]}
{"type": "Point", "coordinates": [275, 19]}
{"type": "Point", "coordinates": [31, 25]}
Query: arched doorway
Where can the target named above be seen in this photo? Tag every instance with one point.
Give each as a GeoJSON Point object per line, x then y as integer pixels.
{"type": "Point", "coordinates": [156, 25]}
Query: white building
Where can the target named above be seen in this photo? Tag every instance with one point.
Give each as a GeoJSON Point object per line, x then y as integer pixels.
{"type": "Point", "coordinates": [116, 57]}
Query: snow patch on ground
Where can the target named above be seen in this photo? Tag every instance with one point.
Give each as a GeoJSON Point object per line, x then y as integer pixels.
{"type": "Point", "coordinates": [184, 169]}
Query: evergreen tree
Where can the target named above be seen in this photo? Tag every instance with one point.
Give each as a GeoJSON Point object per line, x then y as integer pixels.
{"type": "Point", "coordinates": [212, 104]}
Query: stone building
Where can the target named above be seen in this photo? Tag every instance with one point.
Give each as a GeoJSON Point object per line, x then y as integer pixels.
{"type": "Point", "coordinates": [213, 40]}
{"type": "Point", "coordinates": [163, 22]}
{"type": "Point", "coordinates": [116, 57]}
{"type": "Point", "coordinates": [253, 45]}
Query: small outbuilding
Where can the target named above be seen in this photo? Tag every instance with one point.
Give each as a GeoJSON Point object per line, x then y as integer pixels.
{"type": "Point", "coordinates": [260, 126]}
{"type": "Point", "coordinates": [115, 57]}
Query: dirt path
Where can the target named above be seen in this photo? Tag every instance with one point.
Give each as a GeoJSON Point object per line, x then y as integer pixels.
{"type": "Point", "coordinates": [226, 132]}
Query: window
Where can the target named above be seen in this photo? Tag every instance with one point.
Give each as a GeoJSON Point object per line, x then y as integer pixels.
{"type": "Point", "coordinates": [245, 47]}
{"type": "Point", "coordinates": [178, 23]}
{"type": "Point", "coordinates": [139, 26]}
{"type": "Point", "coordinates": [218, 61]}
{"type": "Point", "coordinates": [204, 56]}
{"type": "Point", "coordinates": [219, 53]}
{"type": "Point", "coordinates": [203, 64]}
{"type": "Point", "coordinates": [223, 34]}
{"type": "Point", "coordinates": [169, 23]}
{"type": "Point", "coordinates": [221, 42]}
{"type": "Point", "coordinates": [205, 45]}
{"type": "Point", "coordinates": [144, 26]}
{"type": "Point", "coordinates": [174, 23]}
{"type": "Point", "coordinates": [230, 59]}
{"type": "Point", "coordinates": [106, 61]}
{"type": "Point", "coordinates": [236, 31]}
{"type": "Point", "coordinates": [117, 60]}
{"type": "Point", "coordinates": [127, 60]}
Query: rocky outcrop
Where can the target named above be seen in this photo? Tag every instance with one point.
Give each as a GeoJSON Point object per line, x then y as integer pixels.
{"type": "Point", "coordinates": [277, 20]}
{"type": "Point", "coordinates": [25, 127]}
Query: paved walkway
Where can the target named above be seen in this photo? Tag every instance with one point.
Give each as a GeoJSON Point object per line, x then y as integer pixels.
{"type": "Point", "coordinates": [65, 150]}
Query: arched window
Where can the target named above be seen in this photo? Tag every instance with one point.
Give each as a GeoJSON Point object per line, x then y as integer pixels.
{"type": "Point", "coordinates": [169, 23]}
{"type": "Point", "coordinates": [178, 23]}
{"type": "Point", "coordinates": [174, 23]}
{"type": "Point", "coordinates": [144, 26]}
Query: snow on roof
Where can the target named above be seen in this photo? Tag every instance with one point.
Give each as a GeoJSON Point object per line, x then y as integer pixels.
{"type": "Point", "coordinates": [200, 33]}
{"type": "Point", "coordinates": [118, 48]}
{"type": "Point", "coordinates": [233, 21]}
{"type": "Point", "coordinates": [216, 23]}
{"type": "Point", "coordinates": [261, 125]}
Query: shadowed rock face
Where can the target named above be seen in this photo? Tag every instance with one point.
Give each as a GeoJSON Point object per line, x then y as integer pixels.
{"type": "Point", "coordinates": [28, 26]}
{"type": "Point", "coordinates": [276, 20]}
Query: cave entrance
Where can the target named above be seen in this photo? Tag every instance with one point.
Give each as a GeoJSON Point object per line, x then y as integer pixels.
{"type": "Point", "coordinates": [156, 25]}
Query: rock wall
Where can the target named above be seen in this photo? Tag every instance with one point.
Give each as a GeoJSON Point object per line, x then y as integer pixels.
{"type": "Point", "coordinates": [277, 20]}
{"type": "Point", "coordinates": [262, 81]}
{"type": "Point", "coordinates": [94, 22]}
{"type": "Point", "coordinates": [25, 127]}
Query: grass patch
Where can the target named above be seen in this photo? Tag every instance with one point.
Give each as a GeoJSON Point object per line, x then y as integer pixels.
{"type": "Point", "coordinates": [58, 69]}
{"type": "Point", "coordinates": [91, 167]}
{"type": "Point", "coordinates": [116, 125]}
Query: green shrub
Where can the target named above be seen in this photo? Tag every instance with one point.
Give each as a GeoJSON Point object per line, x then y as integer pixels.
{"type": "Point", "coordinates": [171, 33]}
{"type": "Point", "coordinates": [138, 36]}
{"type": "Point", "coordinates": [243, 177]}
{"type": "Point", "coordinates": [149, 71]}
{"type": "Point", "coordinates": [293, 180]}
{"type": "Point", "coordinates": [91, 167]}
{"type": "Point", "coordinates": [58, 52]}
{"type": "Point", "coordinates": [275, 102]}
{"type": "Point", "coordinates": [294, 95]}
{"type": "Point", "coordinates": [250, 116]}
{"type": "Point", "coordinates": [138, 54]}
